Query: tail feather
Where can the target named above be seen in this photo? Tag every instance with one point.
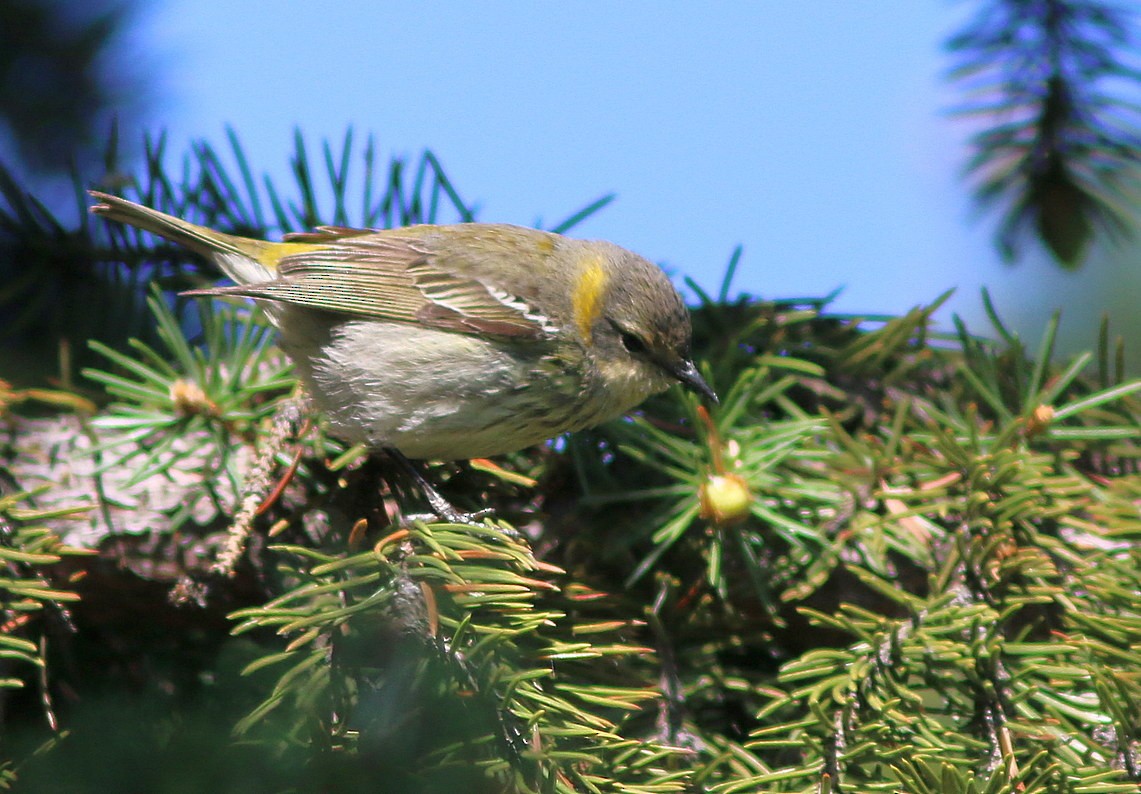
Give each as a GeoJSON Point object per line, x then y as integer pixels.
{"type": "Point", "coordinates": [239, 257]}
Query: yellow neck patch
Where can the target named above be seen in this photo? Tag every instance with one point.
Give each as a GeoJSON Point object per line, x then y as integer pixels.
{"type": "Point", "coordinates": [586, 298]}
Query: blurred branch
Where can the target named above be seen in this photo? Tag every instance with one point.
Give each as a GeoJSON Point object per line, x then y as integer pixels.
{"type": "Point", "coordinates": [1049, 78]}
{"type": "Point", "coordinates": [60, 78]}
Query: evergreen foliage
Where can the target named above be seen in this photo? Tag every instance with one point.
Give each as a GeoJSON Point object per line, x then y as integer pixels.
{"type": "Point", "coordinates": [891, 560]}
{"type": "Point", "coordinates": [1055, 82]}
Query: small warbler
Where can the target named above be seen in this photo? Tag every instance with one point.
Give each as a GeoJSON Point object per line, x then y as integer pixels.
{"type": "Point", "coordinates": [454, 342]}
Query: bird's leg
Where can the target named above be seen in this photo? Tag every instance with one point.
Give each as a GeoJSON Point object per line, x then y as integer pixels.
{"type": "Point", "coordinates": [440, 506]}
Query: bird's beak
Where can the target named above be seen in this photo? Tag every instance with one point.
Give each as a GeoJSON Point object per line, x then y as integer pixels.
{"type": "Point", "coordinates": [687, 373]}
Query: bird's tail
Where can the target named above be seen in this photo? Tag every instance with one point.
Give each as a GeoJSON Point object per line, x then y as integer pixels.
{"type": "Point", "coordinates": [244, 260]}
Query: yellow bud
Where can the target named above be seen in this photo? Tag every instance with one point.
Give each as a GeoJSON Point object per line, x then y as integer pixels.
{"type": "Point", "coordinates": [189, 399]}
{"type": "Point", "coordinates": [725, 498]}
{"type": "Point", "coordinates": [1039, 420]}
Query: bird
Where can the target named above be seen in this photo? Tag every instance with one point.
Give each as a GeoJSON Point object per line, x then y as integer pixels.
{"type": "Point", "coordinates": [452, 342]}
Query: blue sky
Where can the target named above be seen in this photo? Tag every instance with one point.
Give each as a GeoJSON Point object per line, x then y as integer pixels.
{"type": "Point", "coordinates": [815, 134]}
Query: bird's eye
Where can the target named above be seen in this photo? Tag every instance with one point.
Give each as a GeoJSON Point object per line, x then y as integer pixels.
{"type": "Point", "coordinates": [632, 343]}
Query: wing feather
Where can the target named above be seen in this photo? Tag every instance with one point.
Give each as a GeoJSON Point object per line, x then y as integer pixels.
{"type": "Point", "coordinates": [395, 277]}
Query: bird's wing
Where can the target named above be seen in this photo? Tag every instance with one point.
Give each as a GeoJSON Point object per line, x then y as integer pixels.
{"type": "Point", "coordinates": [392, 277]}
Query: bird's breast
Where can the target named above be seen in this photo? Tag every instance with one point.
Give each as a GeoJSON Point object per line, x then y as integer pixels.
{"type": "Point", "coordinates": [431, 393]}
